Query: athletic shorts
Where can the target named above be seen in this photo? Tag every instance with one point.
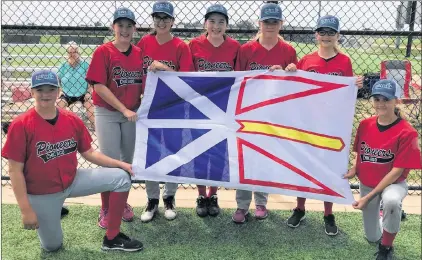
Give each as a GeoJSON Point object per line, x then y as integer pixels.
{"type": "Point", "coordinates": [71, 100]}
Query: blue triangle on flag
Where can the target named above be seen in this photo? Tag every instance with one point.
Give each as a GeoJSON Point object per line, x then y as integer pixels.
{"type": "Point", "coordinates": [163, 142]}
{"type": "Point", "coordinates": [213, 164]}
{"type": "Point", "coordinates": [166, 104]}
{"type": "Point", "coordinates": [216, 89]}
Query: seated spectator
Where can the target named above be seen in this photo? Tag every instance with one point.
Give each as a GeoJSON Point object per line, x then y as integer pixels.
{"type": "Point", "coordinates": [74, 87]}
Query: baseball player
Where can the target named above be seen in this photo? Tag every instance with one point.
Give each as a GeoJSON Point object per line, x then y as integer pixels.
{"type": "Point", "coordinates": [161, 51]}
{"type": "Point", "coordinates": [267, 51]}
{"type": "Point", "coordinates": [213, 51]}
{"type": "Point", "coordinates": [387, 148]}
{"type": "Point", "coordinates": [328, 59]}
{"type": "Point", "coordinates": [41, 149]}
{"type": "Point", "coordinates": [5, 127]}
{"type": "Point", "coordinates": [116, 74]}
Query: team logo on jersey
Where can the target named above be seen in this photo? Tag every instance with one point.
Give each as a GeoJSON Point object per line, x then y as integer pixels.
{"type": "Point", "coordinates": [204, 65]}
{"type": "Point", "coordinates": [123, 77]}
{"type": "Point", "coordinates": [375, 155]}
{"type": "Point", "coordinates": [147, 61]}
{"type": "Point", "coordinates": [48, 151]}
{"type": "Point", "coordinates": [256, 66]}
{"type": "Point", "coordinates": [329, 73]}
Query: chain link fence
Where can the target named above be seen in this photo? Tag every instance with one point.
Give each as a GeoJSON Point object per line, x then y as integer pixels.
{"type": "Point", "coordinates": [383, 38]}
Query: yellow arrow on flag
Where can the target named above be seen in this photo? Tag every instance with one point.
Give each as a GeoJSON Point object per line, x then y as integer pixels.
{"type": "Point", "coordinates": [290, 133]}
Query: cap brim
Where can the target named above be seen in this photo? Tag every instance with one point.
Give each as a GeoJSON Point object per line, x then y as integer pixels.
{"type": "Point", "coordinates": [44, 84]}
{"type": "Point", "coordinates": [268, 18]}
{"type": "Point", "coordinates": [163, 13]}
{"type": "Point", "coordinates": [387, 96]}
{"type": "Point", "coordinates": [133, 21]}
{"type": "Point", "coordinates": [329, 27]}
{"type": "Point", "coordinates": [210, 13]}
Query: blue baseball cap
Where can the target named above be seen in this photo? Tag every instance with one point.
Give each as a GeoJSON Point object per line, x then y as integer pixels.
{"type": "Point", "coordinates": [270, 11]}
{"type": "Point", "coordinates": [125, 13]}
{"type": "Point", "coordinates": [217, 9]}
{"type": "Point", "coordinates": [163, 7]}
{"type": "Point", "coordinates": [386, 88]}
{"type": "Point", "coordinates": [44, 77]}
{"type": "Point", "coordinates": [328, 21]}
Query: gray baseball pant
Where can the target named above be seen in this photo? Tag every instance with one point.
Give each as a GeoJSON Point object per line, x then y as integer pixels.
{"type": "Point", "coordinates": [244, 198]}
{"type": "Point", "coordinates": [87, 182]}
{"type": "Point", "coordinates": [116, 135]}
{"type": "Point", "coordinates": [392, 198]}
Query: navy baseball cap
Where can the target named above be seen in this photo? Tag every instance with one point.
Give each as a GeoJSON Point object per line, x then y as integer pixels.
{"type": "Point", "coordinates": [328, 21]}
{"type": "Point", "coordinates": [386, 88]}
{"type": "Point", "coordinates": [44, 77]}
{"type": "Point", "coordinates": [163, 7]}
{"type": "Point", "coordinates": [217, 9]}
{"type": "Point", "coordinates": [125, 13]}
{"type": "Point", "coordinates": [270, 11]}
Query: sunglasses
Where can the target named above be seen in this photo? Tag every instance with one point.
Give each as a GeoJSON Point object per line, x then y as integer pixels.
{"type": "Point", "coordinates": [270, 21]}
{"type": "Point", "coordinates": [329, 33]}
{"type": "Point", "coordinates": [165, 19]}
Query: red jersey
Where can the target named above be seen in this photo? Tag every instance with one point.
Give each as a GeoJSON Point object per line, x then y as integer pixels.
{"type": "Point", "coordinates": [47, 151]}
{"type": "Point", "coordinates": [206, 57]}
{"type": "Point", "coordinates": [253, 56]}
{"type": "Point", "coordinates": [379, 151]}
{"type": "Point", "coordinates": [120, 73]}
{"type": "Point", "coordinates": [339, 65]}
{"type": "Point", "coordinates": [174, 53]}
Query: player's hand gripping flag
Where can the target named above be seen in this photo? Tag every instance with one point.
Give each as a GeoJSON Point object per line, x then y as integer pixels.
{"type": "Point", "coordinates": [275, 132]}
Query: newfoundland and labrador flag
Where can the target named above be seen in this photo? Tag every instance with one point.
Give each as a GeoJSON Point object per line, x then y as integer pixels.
{"type": "Point", "coordinates": [274, 132]}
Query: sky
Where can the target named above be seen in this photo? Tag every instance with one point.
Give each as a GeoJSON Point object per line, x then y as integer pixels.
{"type": "Point", "coordinates": [354, 15]}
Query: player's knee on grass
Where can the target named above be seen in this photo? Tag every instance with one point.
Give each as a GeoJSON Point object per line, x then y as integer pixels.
{"type": "Point", "coordinates": [372, 238]}
{"type": "Point", "coordinates": [52, 246]}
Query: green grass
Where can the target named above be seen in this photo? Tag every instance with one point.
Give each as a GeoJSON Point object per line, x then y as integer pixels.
{"type": "Point", "coordinates": [190, 237]}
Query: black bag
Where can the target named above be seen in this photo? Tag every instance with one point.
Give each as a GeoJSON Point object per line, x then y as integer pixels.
{"type": "Point", "coordinates": [369, 80]}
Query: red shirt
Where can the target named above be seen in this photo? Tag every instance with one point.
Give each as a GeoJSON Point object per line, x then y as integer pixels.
{"type": "Point", "coordinates": [339, 65]}
{"type": "Point", "coordinates": [174, 53]}
{"type": "Point", "coordinates": [253, 56]}
{"type": "Point", "coordinates": [120, 73]}
{"type": "Point", "coordinates": [206, 57]}
{"type": "Point", "coordinates": [47, 151]}
{"type": "Point", "coordinates": [378, 152]}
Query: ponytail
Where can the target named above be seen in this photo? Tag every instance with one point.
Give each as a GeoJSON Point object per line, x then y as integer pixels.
{"type": "Point", "coordinates": [399, 113]}
{"type": "Point", "coordinates": [337, 48]}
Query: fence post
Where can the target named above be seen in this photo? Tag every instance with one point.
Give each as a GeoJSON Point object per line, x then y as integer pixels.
{"type": "Point", "coordinates": [411, 29]}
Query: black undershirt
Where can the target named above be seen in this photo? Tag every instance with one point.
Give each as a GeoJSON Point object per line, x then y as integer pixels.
{"type": "Point", "coordinates": [327, 60]}
{"type": "Point", "coordinates": [127, 53]}
{"type": "Point", "coordinates": [54, 120]}
{"type": "Point", "coordinates": [383, 128]}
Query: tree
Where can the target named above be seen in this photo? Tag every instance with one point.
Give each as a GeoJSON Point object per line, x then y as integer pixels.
{"type": "Point", "coordinates": [98, 24]}
{"type": "Point", "coordinates": [245, 24]}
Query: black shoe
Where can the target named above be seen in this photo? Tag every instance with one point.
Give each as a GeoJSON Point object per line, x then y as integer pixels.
{"type": "Point", "coordinates": [213, 208]}
{"type": "Point", "coordinates": [64, 212]}
{"type": "Point", "coordinates": [330, 225]}
{"type": "Point", "coordinates": [384, 253]}
{"type": "Point", "coordinates": [123, 243]}
{"type": "Point", "coordinates": [202, 206]}
{"type": "Point", "coordinates": [295, 219]}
